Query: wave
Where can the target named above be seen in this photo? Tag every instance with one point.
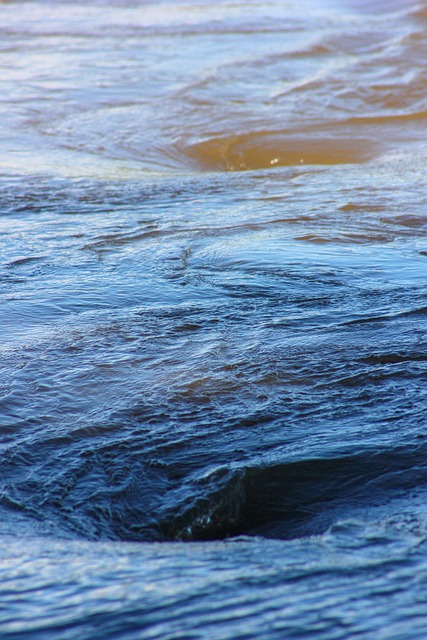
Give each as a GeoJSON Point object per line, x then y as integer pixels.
{"type": "Point", "coordinates": [336, 91]}
{"type": "Point", "coordinates": [291, 500]}
{"type": "Point", "coordinates": [119, 494]}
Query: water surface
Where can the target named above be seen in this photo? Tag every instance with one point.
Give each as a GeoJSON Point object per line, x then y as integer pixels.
{"type": "Point", "coordinates": [213, 310]}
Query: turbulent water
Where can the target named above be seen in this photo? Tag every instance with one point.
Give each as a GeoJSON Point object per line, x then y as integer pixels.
{"type": "Point", "coordinates": [213, 356]}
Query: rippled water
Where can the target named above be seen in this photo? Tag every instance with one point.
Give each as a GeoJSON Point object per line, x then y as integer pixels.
{"type": "Point", "coordinates": [213, 308]}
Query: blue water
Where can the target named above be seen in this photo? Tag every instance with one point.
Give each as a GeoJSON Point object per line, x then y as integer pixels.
{"type": "Point", "coordinates": [213, 360]}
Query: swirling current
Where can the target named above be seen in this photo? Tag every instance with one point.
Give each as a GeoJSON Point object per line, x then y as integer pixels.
{"type": "Point", "coordinates": [213, 286]}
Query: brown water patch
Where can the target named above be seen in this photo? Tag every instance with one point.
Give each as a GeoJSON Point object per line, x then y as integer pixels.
{"type": "Point", "coordinates": [261, 150]}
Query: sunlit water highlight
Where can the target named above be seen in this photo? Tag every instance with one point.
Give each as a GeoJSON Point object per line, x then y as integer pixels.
{"type": "Point", "coordinates": [213, 308]}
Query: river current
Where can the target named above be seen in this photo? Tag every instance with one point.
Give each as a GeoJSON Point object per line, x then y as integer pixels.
{"type": "Point", "coordinates": [213, 311]}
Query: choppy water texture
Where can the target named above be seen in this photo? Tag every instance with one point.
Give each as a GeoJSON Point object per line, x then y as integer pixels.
{"type": "Point", "coordinates": [213, 264]}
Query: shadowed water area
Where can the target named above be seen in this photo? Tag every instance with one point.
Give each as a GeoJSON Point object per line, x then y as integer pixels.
{"type": "Point", "coordinates": [213, 311]}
